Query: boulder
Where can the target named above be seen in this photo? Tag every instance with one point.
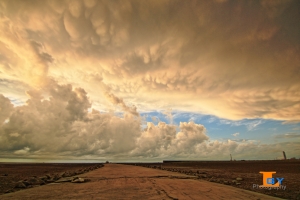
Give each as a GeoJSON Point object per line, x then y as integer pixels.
{"type": "Point", "coordinates": [79, 172]}
{"type": "Point", "coordinates": [20, 184]}
{"type": "Point", "coordinates": [26, 183]}
{"type": "Point", "coordinates": [79, 180]}
{"type": "Point", "coordinates": [239, 179]}
{"type": "Point", "coordinates": [56, 177]}
{"type": "Point", "coordinates": [64, 174]}
{"type": "Point", "coordinates": [68, 179]}
{"type": "Point", "coordinates": [48, 176]}
{"type": "Point", "coordinates": [44, 178]}
{"type": "Point", "coordinates": [226, 182]}
{"type": "Point", "coordinates": [35, 181]}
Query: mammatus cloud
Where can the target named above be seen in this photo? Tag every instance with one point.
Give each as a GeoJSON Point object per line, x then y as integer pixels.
{"type": "Point", "coordinates": [233, 60]}
{"type": "Point", "coordinates": [230, 59]}
{"type": "Point", "coordinates": [55, 123]}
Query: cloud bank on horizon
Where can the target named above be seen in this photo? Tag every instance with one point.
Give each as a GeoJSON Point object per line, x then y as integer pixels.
{"type": "Point", "coordinates": [67, 66]}
{"type": "Point", "coordinates": [60, 127]}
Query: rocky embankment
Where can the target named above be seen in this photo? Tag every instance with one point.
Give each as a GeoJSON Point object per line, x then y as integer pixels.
{"type": "Point", "coordinates": [201, 174]}
{"type": "Point", "coordinates": [34, 181]}
{"type": "Point", "coordinates": [237, 179]}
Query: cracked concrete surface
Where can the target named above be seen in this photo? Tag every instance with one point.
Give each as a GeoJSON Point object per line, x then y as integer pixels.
{"type": "Point", "coordinates": [116, 181]}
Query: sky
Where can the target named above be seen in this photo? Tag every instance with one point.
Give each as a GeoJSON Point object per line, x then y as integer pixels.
{"type": "Point", "coordinates": [91, 80]}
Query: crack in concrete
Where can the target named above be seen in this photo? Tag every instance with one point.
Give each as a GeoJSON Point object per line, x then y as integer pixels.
{"type": "Point", "coordinates": [173, 198]}
{"type": "Point", "coordinates": [159, 190]}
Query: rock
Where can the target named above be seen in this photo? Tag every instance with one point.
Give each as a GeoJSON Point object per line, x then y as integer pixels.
{"type": "Point", "coordinates": [64, 174]}
{"type": "Point", "coordinates": [69, 179]}
{"type": "Point", "coordinates": [238, 183]}
{"type": "Point", "coordinates": [20, 185]}
{"type": "Point", "coordinates": [78, 180]}
{"type": "Point", "coordinates": [44, 178]}
{"type": "Point", "coordinates": [239, 179]}
{"type": "Point", "coordinates": [48, 176]}
{"type": "Point", "coordinates": [26, 183]}
{"type": "Point", "coordinates": [35, 181]}
{"type": "Point", "coordinates": [233, 181]}
{"type": "Point", "coordinates": [56, 177]}
{"type": "Point", "coordinates": [225, 182]}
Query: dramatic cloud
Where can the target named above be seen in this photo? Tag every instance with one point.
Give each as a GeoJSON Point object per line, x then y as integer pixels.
{"type": "Point", "coordinates": [55, 122]}
{"type": "Point", "coordinates": [6, 108]}
{"type": "Point", "coordinates": [117, 101]}
{"type": "Point", "coordinates": [234, 60]}
{"type": "Point", "coordinates": [230, 59]}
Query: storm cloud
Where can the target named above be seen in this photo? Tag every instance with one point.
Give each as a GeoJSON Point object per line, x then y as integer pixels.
{"type": "Point", "coordinates": [231, 59]}
{"type": "Point", "coordinates": [83, 62]}
{"type": "Point", "coordinates": [56, 123]}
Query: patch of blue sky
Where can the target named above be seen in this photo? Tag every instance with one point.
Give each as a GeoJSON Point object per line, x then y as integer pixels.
{"type": "Point", "coordinates": [260, 130]}
{"type": "Point", "coordinates": [155, 117]}
{"type": "Point", "coordinates": [16, 101]}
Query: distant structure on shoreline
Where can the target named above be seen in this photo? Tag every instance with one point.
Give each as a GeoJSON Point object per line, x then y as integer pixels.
{"type": "Point", "coordinates": [284, 156]}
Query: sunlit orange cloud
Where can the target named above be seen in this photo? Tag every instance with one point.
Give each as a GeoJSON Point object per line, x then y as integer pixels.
{"type": "Point", "coordinates": [230, 60]}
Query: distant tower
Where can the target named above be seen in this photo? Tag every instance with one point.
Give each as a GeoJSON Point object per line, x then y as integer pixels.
{"type": "Point", "coordinates": [284, 155]}
{"type": "Point", "coordinates": [230, 157]}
